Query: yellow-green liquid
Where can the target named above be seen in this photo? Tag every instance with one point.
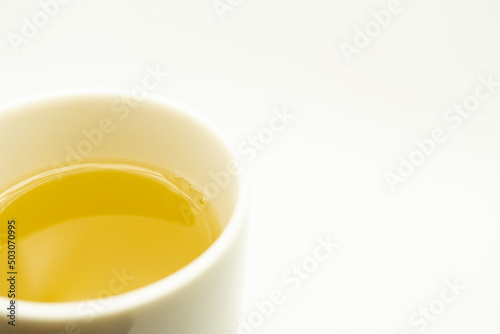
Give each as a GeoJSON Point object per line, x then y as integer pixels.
{"type": "Point", "coordinates": [94, 230]}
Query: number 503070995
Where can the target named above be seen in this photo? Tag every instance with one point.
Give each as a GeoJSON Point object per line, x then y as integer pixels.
{"type": "Point", "coordinates": [11, 245]}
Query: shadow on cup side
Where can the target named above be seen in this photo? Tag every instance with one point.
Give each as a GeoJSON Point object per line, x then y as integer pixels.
{"type": "Point", "coordinates": [115, 325]}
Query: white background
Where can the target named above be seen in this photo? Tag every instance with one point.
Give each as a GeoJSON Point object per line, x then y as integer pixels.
{"type": "Point", "coordinates": [324, 174]}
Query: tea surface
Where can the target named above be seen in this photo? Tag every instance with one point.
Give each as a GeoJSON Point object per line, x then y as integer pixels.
{"type": "Point", "coordinates": [94, 230]}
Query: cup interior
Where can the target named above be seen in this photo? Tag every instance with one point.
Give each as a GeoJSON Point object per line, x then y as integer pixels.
{"type": "Point", "coordinates": [56, 132]}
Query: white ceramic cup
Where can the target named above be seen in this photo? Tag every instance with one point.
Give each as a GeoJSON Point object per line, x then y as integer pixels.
{"type": "Point", "coordinates": [67, 128]}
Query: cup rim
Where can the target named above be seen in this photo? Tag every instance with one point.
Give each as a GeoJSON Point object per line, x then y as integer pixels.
{"type": "Point", "coordinates": [65, 311]}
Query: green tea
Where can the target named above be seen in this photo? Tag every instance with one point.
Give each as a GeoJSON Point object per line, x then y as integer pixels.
{"type": "Point", "coordinates": [101, 229]}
